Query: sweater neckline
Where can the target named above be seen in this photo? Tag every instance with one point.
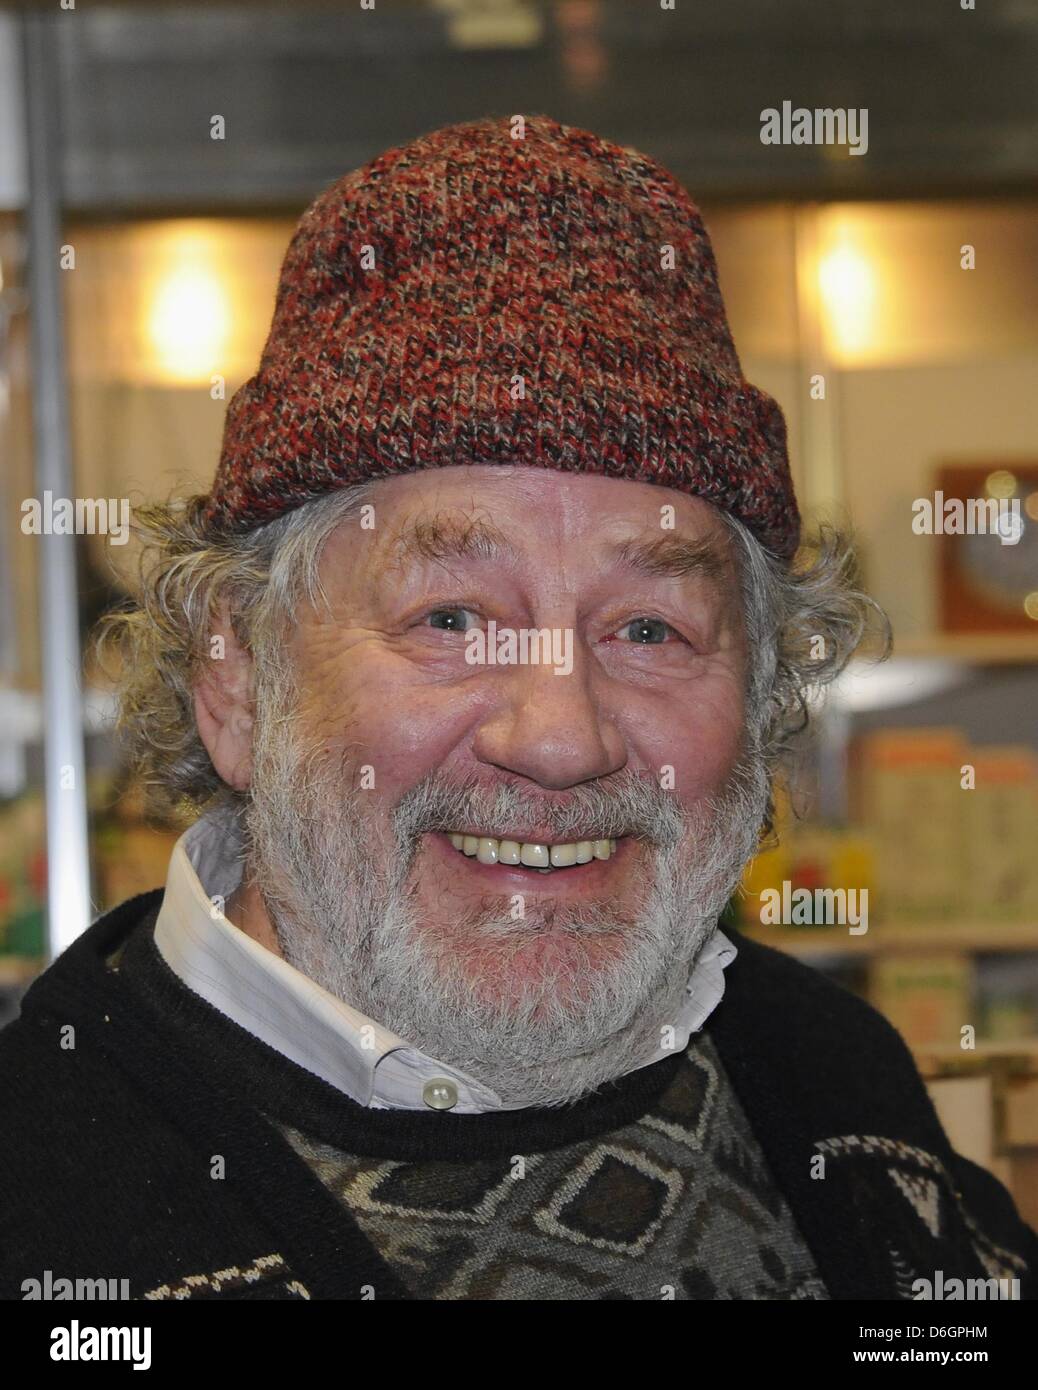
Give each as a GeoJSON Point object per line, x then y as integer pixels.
{"type": "Point", "coordinates": [287, 1094]}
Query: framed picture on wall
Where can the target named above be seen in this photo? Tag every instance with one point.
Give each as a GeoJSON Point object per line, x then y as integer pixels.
{"type": "Point", "coordinates": [986, 515]}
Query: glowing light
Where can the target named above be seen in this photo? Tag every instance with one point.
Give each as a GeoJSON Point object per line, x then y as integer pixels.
{"type": "Point", "coordinates": [1031, 505]}
{"type": "Point", "coordinates": [847, 283]}
{"type": "Point", "coordinates": [187, 311]}
{"type": "Point", "coordinates": [1001, 483]}
{"type": "Point", "coordinates": [1031, 605]}
{"type": "Point", "coordinates": [1009, 528]}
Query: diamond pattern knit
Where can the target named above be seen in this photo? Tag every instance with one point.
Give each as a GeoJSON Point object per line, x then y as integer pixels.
{"type": "Point", "coordinates": [678, 1205]}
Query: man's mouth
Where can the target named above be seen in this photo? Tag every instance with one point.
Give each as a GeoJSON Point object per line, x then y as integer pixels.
{"type": "Point", "coordinates": [531, 854]}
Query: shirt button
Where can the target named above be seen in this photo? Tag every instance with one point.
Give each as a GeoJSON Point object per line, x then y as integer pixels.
{"type": "Point", "coordinates": [440, 1094]}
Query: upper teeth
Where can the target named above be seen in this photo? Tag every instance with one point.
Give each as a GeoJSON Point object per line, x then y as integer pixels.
{"type": "Point", "coordinates": [533, 855]}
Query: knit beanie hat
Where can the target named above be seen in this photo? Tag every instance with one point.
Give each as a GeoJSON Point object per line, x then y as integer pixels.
{"type": "Point", "coordinates": [508, 290]}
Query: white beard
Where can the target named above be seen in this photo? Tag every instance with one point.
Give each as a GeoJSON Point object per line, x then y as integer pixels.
{"type": "Point", "coordinates": [345, 916]}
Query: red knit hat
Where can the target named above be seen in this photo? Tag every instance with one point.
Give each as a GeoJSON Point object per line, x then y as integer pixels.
{"type": "Point", "coordinates": [477, 298]}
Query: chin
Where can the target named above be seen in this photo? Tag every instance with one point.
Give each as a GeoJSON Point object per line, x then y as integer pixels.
{"type": "Point", "coordinates": [517, 966]}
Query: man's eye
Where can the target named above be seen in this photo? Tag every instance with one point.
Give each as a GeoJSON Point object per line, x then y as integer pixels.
{"type": "Point", "coordinates": [452, 619]}
{"type": "Point", "coordinates": [648, 631]}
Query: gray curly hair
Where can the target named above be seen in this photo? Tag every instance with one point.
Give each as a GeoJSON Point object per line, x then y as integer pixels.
{"type": "Point", "coordinates": [803, 623]}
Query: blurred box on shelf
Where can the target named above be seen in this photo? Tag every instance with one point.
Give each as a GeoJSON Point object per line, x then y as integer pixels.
{"type": "Point", "coordinates": [23, 876]}
{"type": "Point", "coordinates": [1000, 820]}
{"type": "Point", "coordinates": [1022, 1112]}
{"type": "Point", "coordinates": [953, 825]}
{"type": "Point", "coordinates": [928, 998]}
{"type": "Point", "coordinates": [907, 790]}
{"type": "Point", "coordinates": [1007, 997]}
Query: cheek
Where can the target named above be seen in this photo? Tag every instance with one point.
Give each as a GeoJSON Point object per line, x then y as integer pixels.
{"type": "Point", "coordinates": [360, 706]}
{"type": "Point", "coordinates": [701, 738]}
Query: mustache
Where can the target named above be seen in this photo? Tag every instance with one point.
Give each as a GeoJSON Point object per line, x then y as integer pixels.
{"type": "Point", "coordinates": [627, 804]}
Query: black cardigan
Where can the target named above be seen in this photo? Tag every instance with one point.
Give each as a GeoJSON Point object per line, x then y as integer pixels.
{"type": "Point", "coordinates": [106, 1147]}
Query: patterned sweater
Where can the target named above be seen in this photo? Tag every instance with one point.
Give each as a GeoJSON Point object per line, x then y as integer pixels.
{"type": "Point", "coordinates": [791, 1152]}
{"type": "Point", "coordinates": [678, 1204]}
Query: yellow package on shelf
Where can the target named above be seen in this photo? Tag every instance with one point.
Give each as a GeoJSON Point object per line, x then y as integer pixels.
{"type": "Point", "coordinates": [912, 800]}
{"type": "Point", "coordinates": [1000, 841]}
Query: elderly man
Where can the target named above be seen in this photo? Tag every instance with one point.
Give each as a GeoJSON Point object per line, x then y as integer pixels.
{"type": "Point", "coordinates": [478, 659]}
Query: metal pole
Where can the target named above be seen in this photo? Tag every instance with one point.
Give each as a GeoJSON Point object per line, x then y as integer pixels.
{"type": "Point", "coordinates": [68, 873]}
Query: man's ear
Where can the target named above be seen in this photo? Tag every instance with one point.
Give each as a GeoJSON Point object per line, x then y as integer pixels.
{"type": "Point", "coordinates": [223, 702]}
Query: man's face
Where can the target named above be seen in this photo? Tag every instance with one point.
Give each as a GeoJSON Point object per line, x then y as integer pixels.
{"type": "Point", "coordinates": [623, 731]}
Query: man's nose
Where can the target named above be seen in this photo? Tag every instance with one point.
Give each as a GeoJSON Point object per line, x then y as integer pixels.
{"type": "Point", "coordinates": [551, 728]}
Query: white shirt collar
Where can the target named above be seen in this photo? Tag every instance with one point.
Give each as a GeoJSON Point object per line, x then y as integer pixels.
{"type": "Point", "coordinates": [289, 1012]}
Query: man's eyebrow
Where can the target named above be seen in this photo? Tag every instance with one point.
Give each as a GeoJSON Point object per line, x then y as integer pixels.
{"type": "Point", "coordinates": [674, 557]}
{"type": "Point", "coordinates": [449, 537]}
